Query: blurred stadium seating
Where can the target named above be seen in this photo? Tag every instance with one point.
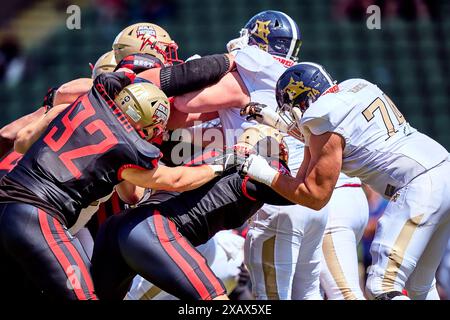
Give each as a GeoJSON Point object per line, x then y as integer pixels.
{"type": "Point", "coordinates": [409, 59]}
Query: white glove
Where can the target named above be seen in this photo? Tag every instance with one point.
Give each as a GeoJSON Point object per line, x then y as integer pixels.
{"type": "Point", "coordinates": [264, 115]}
{"type": "Point", "coordinates": [257, 168]}
{"type": "Point", "coordinates": [238, 43]}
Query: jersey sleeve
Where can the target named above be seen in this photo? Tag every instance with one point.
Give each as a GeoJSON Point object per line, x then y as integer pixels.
{"type": "Point", "coordinates": [252, 59]}
{"type": "Point", "coordinates": [326, 115]}
{"type": "Point", "coordinates": [147, 155]}
{"type": "Point", "coordinates": [259, 71]}
{"type": "Point", "coordinates": [141, 155]}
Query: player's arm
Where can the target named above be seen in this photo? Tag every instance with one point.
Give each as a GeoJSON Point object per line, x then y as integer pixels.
{"type": "Point", "coordinates": [312, 189]}
{"type": "Point", "coordinates": [190, 76]}
{"type": "Point", "coordinates": [172, 179]}
{"type": "Point", "coordinates": [229, 92]}
{"type": "Point", "coordinates": [31, 132]}
{"type": "Point", "coordinates": [70, 91]}
{"type": "Point", "coordinates": [9, 132]}
{"type": "Point", "coordinates": [258, 191]}
{"type": "Point", "coordinates": [129, 193]}
{"type": "Point", "coordinates": [180, 119]}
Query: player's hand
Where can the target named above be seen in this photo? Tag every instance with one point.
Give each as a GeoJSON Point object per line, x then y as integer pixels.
{"type": "Point", "coordinates": [253, 111]}
{"type": "Point", "coordinates": [238, 43]}
{"type": "Point", "coordinates": [257, 168]}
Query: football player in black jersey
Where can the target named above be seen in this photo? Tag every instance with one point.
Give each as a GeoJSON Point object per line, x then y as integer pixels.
{"type": "Point", "coordinates": [98, 141]}
{"type": "Point", "coordinates": [156, 240]}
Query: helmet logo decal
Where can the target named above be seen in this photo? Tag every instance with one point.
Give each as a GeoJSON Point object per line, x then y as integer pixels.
{"type": "Point", "coordinates": [143, 31]}
{"type": "Point", "coordinates": [296, 88]}
{"type": "Point", "coordinates": [261, 30]}
{"type": "Point", "coordinates": [161, 112]}
{"type": "Point", "coordinates": [133, 114]}
{"type": "Point", "coordinates": [147, 34]}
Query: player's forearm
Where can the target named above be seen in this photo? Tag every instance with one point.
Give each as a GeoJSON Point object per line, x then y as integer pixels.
{"type": "Point", "coordinates": [70, 91]}
{"type": "Point", "coordinates": [9, 132]}
{"type": "Point", "coordinates": [297, 191]}
{"type": "Point", "coordinates": [185, 178]}
{"type": "Point", "coordinates": [30, 133]}
{"type": "Point", "coordinates": [170, 179]}
{"type": "Point", "coordinates": [180, 119]}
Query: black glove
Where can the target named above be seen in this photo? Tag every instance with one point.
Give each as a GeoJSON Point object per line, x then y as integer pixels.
{"type": "Point", "coordinates": [253, 111]}
{"type": "Point", "coordinates": [49, 97]}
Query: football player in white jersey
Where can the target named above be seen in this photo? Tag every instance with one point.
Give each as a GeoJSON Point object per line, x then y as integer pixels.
{"type": "Point", "coordinates": [283, 246]}
{"type": "Point", "coordinates": [356, 128]}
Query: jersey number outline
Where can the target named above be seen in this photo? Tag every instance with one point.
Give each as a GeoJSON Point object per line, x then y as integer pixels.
{"type": "Point", "coordinates": [378, 104]}
{"type": "Point", "coordinates": [70, 125]}
{"type": "Point", "coordinates": [10, 160]}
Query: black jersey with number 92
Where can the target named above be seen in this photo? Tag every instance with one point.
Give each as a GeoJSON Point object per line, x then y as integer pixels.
{"type": "Point", "coordinates": [80, 156]}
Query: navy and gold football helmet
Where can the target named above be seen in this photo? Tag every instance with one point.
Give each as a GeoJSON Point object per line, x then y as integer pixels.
{"type": "Point", "coordinates": [298, 87]}
{"type": "Point", "coordinates": [274, 32]}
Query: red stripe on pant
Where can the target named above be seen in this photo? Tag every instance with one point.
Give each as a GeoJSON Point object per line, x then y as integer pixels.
{"type": "Point", "coordinates": [199, 259]}
{"type": "Point", "coordinates": [57, 251]}
{"type": "Point", "coordinates": [85, 275]}
{"type": "Point", "coordinates": [178, 258]}
{"type": "Point", "coordinates": [101, 214]}
{"type": "Point", "coordinates": [115, 201]}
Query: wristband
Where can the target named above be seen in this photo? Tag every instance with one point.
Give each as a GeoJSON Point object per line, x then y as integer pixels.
{"type": "Point", "coordinates": [267, 176]}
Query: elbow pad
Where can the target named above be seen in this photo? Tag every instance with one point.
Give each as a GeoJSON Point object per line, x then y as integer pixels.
{"type": "Point", "coordinates": [194, 74]}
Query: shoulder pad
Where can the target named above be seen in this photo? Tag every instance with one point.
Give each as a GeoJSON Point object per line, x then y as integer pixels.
{"type": "Point", "coordinates": [147, 149]}
{"type": "Point", "coordinates": [326, 114]}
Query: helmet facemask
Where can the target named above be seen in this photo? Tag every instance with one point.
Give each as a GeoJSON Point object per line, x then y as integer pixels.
{"type": "Point", "coordinates": [292, 121]}
{"type": "Point", "coordinates": [146, 38]}
{"type": "Point", "coordinates": [167, 50]}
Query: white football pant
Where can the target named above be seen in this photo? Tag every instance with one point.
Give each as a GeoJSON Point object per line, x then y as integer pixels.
{"type": "Point", "coordinates": [348, 214]}
{"type": "Point", "coordinates": [283, 250]}
{"type": "Point", "coordinates": [412, 236]}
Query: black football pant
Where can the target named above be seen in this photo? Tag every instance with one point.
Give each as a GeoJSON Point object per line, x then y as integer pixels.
{"type": "Point", "coordinates": [143, 241]}
{"type": "Point", "coordinates": [43, 253]}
